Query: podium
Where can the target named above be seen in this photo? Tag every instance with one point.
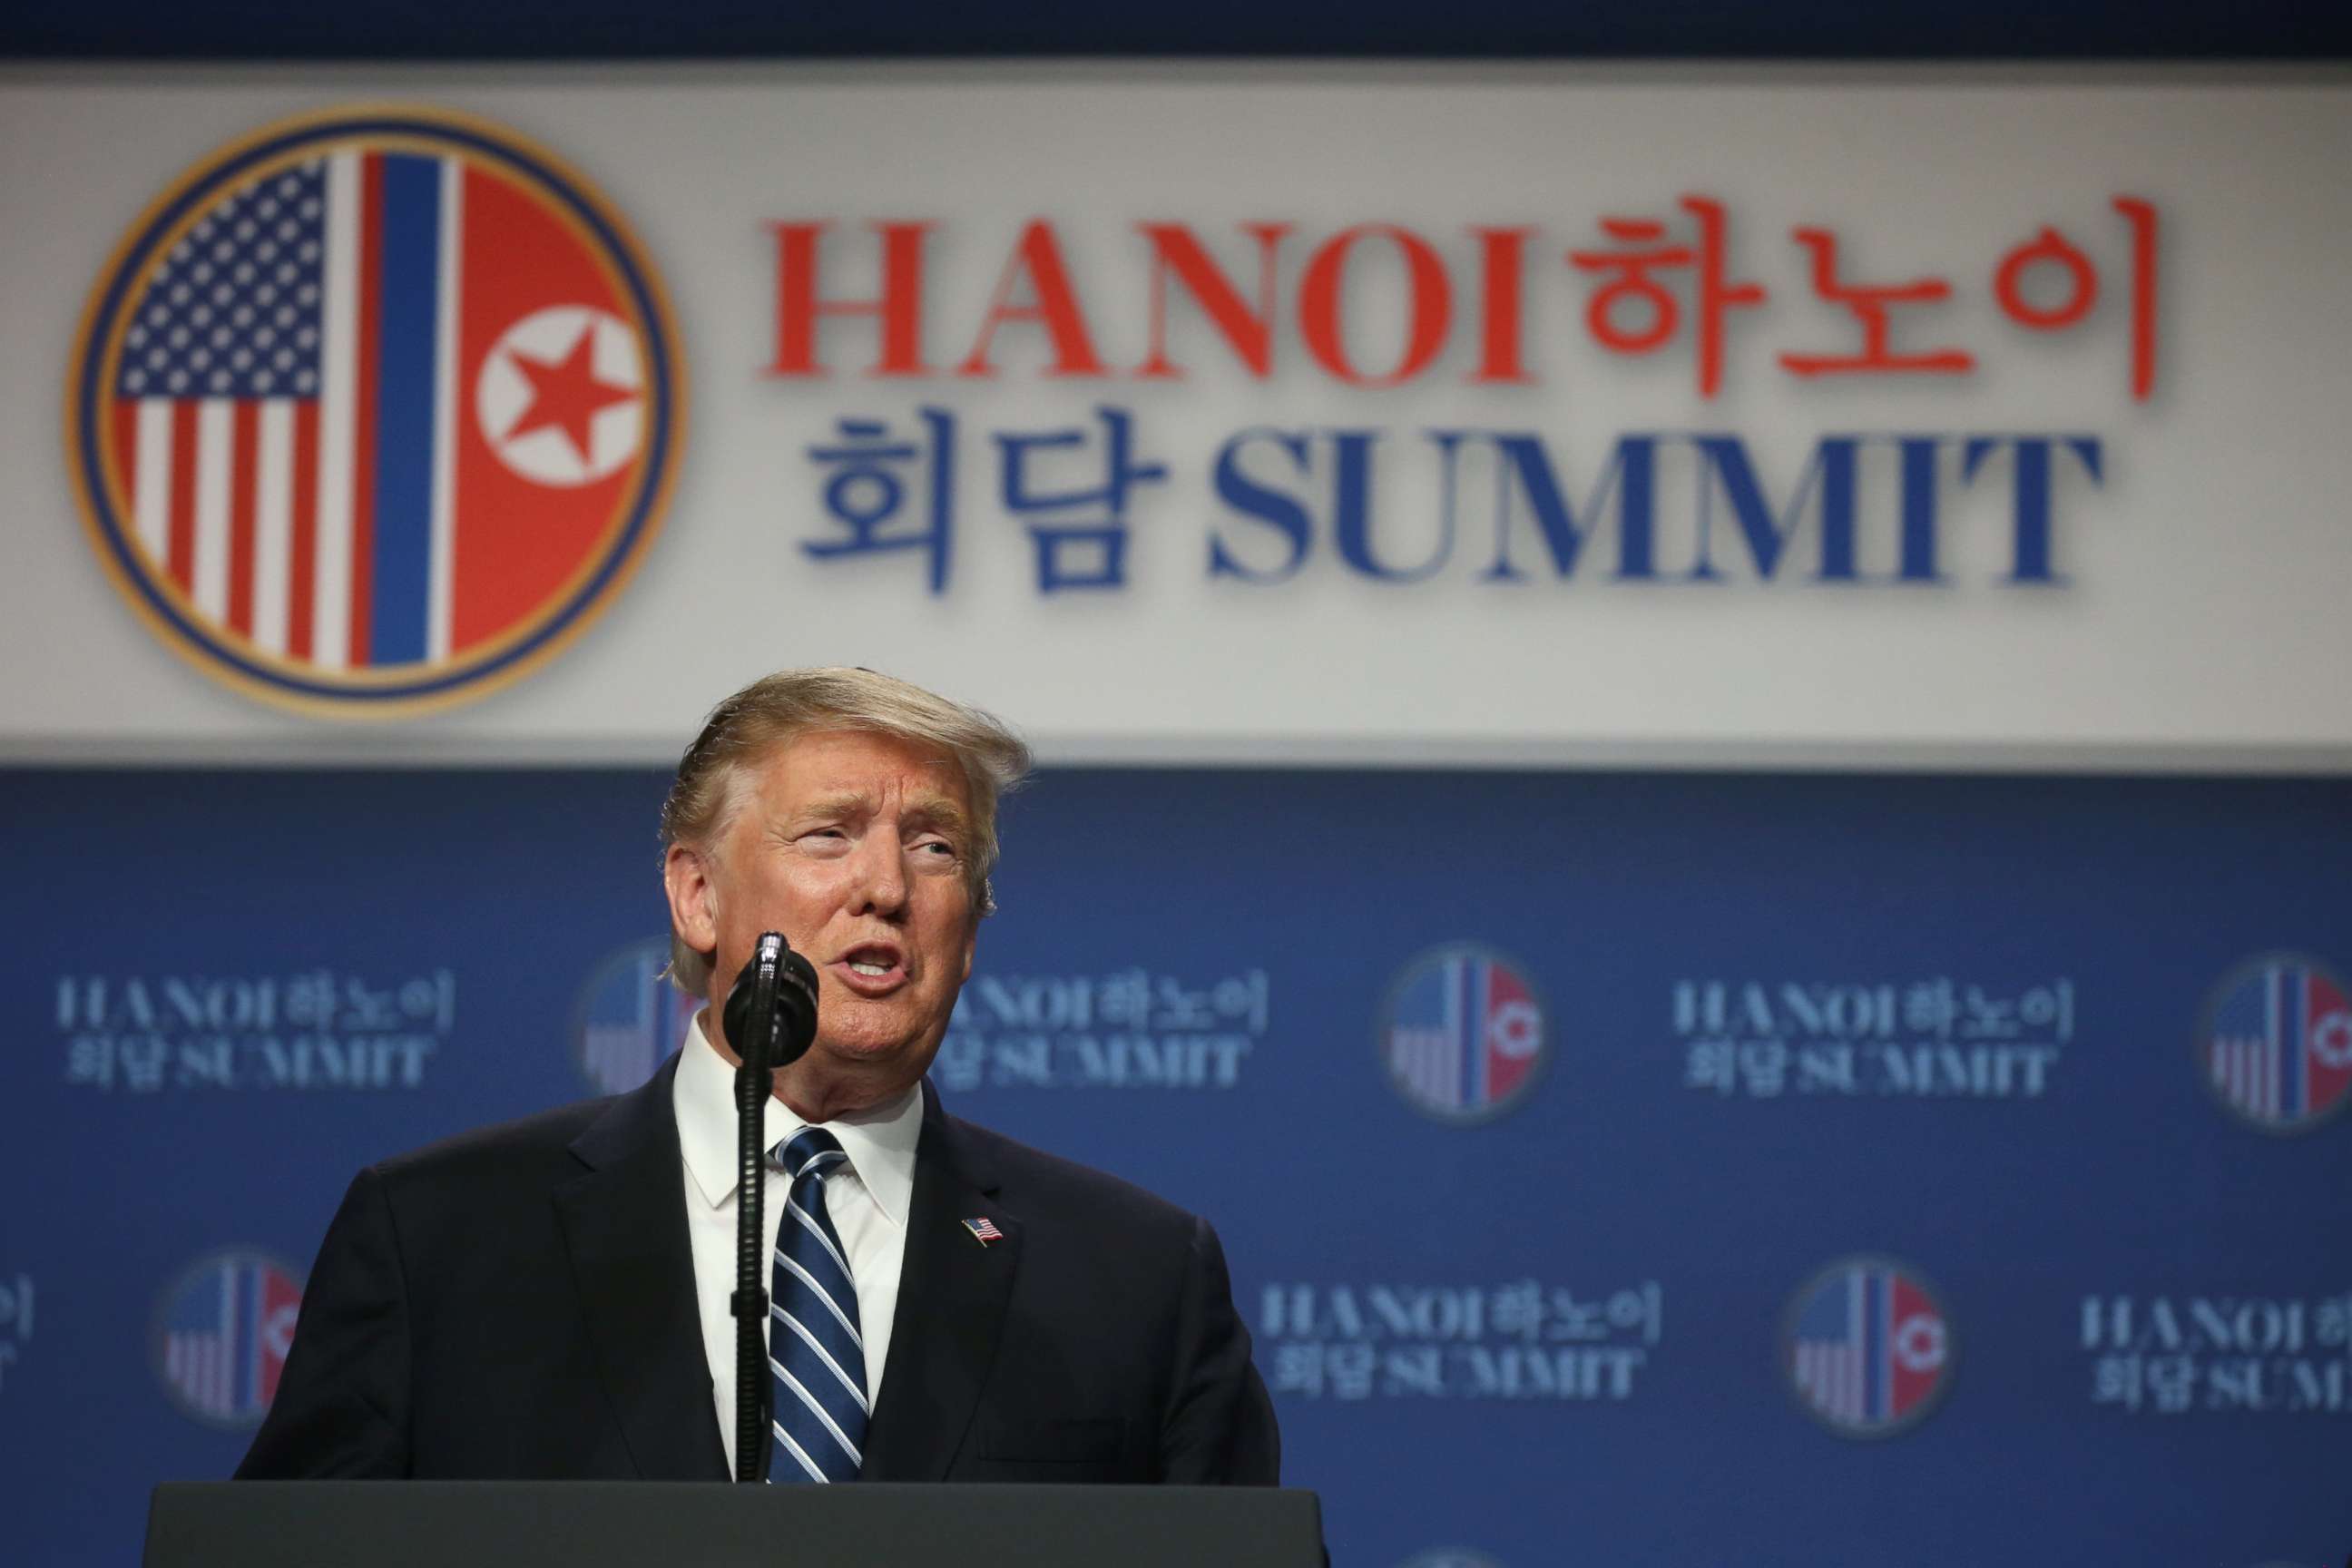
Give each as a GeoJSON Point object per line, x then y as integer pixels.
{"type": "Point", "coordinates": [670, 1524]}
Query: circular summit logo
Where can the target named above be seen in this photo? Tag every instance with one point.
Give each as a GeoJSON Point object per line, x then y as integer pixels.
{"type": "Point", "coordinates": [221, 1334]}
{"type": "Point", "coordinates": [1867, 1347]}
{"type": "Point", "coordinates": [1462, 1034]}
{"type": "Point", "coordinates": [629, 1018]}
{"type": "Point", "coordinates": [2275, 1043]}
{"type": "Point", "coordinates": [375, 410]}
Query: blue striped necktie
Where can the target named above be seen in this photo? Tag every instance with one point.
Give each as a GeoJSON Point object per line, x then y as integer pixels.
{"type": "Point", "coordinates": [816, 1356]}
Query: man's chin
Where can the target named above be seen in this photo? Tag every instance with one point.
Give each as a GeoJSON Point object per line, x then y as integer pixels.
{"type": "Point", "coordinates": [857, 1030]}
{"type": "Point", "coordinates": [869, 1058]}
{"type": "Point", "coordinates": [836, 1078]}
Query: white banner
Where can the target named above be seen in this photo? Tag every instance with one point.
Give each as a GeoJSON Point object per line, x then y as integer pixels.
{"type": "Point", "coordinates": [1466, 416]}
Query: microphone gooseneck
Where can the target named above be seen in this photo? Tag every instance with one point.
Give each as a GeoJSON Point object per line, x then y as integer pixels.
{"type": "Point", "coordinates": [769, 1020]}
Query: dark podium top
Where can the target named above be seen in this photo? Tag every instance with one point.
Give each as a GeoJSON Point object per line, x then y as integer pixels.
{"type": "Point", "coordinates": [607, 1524]}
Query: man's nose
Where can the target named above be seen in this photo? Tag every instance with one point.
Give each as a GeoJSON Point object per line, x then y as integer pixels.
{"type": "Point", "coordinates": [881, 874]}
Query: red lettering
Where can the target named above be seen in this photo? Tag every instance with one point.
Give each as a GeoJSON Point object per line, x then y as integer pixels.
{"type": "Point", "coordinates": [1321, 309]}
{"type": "Point", "coordinates": [2055, 249]}
{"type": "Point", "coordinates": [1249, 334]}
{"type": "Point", "coordinates": [2141, 215]}
{"type": "Point", "coordinates": [900, 307]}
{"type": "Point", "coordinates": [1503, 252]}
{"type": "Point", "coordinates": [1872, 305]}
{"type": "Point", "coordinates": [1057, 308]}
{"type": "Point", "coordinates": [1632, 277]}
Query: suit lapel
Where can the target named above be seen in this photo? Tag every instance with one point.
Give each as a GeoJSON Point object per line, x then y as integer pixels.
{"type": "Point", "coordinates": [952, 1291]}
{"type": "Point", "coordinates": [624, 1220]}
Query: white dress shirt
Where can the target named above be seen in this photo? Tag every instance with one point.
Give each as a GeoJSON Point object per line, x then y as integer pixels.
{"type": "Point", "coordinates": [866, 1196]}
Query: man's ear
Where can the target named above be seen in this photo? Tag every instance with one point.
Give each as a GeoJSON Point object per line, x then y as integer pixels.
{"type": "Point", "coordinates": [686, 878]}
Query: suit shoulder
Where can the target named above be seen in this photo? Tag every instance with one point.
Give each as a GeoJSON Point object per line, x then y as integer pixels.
{"type": "Point", "coordinates": [488, 1157]}
{"type": "Point", "coordinates": [1038, 1180]}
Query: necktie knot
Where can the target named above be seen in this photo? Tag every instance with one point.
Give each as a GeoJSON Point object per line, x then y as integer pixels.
{"type": "Point", "coordinates": [811, 1151]}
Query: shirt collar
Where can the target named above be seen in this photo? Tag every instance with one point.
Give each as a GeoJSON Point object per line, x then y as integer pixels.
{"type": "Point", "coordinates": [880, 1142]}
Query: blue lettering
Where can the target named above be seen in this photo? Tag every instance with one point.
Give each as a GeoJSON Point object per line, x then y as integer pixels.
{"type": "Point", "coordinates": [1631, 466]}
{"type": "Point", "coordinates": [2030, 505]}
{"type": "Point", "coordinates": [1832, 471]}
{"type": "Point", "coordinates": [1351, 513]}
{"type": "Point", "coordinates": [1918, 558]}
{"type": "Point", "coordinates": [1282, 513]}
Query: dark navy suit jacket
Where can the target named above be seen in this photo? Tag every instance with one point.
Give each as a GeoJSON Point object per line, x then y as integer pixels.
{"type": "Point", "coordinates": [519, 1303]}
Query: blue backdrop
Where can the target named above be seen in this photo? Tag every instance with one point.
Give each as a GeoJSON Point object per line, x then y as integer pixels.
{"type": "Point", "coordinates": [1821, 1168]}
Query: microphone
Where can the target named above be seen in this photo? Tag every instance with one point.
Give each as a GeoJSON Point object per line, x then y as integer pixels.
{"type": "Point", "coordinates": [770, 1019]}
{"type": "Point", "coordinates": [773, 1003]}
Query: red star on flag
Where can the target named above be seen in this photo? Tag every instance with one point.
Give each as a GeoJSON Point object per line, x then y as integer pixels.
{"type": "Point", "coordinates": [567, 393]}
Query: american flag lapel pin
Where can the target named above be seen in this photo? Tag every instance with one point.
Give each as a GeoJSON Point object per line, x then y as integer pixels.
{"type": "Point", "coordinates": [984, 1229]}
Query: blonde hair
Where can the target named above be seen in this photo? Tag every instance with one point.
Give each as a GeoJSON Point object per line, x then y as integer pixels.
{"type": "Point", "coordinates": [780, 708]}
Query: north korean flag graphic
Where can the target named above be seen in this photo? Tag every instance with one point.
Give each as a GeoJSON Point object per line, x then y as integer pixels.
{"type": "Point", "coordinates": [1464, 1033]}
{"type": "Point", "coordinates": [1869, 1351]}
{"type": "Point", "coordinates": [1512, 1029]}
{"type": "Point", "coordinates": [2278, 1048]}
{"type": "Point", "coordinates": [381, 416]}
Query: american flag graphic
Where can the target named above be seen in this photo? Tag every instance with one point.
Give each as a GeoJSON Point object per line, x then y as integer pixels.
{"type": "Point", "coordinates": [985, 1229]}
{"type": "Point", "coordinates": [1465, 1031]}
{"type": "Point", "coordinates": [631, 1017]}
{"type": "Point", "coordinates": [2280, 1047]}
{"type": "Point", "coordinates": [1868, 1347]}
{"type": "Point", "coordinates": [226, 1326]}
{"type": "Point", "coordinates": [371, 413]}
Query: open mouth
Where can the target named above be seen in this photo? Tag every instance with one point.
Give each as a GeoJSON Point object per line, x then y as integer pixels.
{"type": "Point", "coordinates": [871, 968]}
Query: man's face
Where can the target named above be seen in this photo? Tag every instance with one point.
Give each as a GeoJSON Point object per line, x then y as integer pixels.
{"type": "Point", "coordinates": [855, 846]}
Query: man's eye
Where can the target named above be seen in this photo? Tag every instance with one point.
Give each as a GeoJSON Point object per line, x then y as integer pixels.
{"type": "Point", "coordinates": [938, 846]}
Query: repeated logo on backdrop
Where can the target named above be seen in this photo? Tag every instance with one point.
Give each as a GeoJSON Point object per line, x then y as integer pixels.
{"type": "Point", "coordinates": [2276, 1043]}
{"type": "Point", "coordinates": [1867, 1347]}
{"type": "Point", "coordinates": [1136, 1028]}
{"type": "Point", "coordinates": [373, 410]}
{"type": "Point", "coordinates": [16, 1321]}
{"type": "Point", "coordinates": [629, 1018]}
{"type": "Point", "coordinates": [1930, 1037]}
{"type": "Point", "coordinates": [1520, 1341]}
{"type": "Point", "coordinates": [319, 1030]}
{"type": "Point", "coordinates": [222, 1330]}
{"type": "Point", "coordinates": [1462, 1034]}
{"type": "Point", "coordinates": [2225, 1353]}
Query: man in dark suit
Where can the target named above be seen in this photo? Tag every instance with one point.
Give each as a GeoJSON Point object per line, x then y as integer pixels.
{"type": "Point", "coordinates": [548, 1298]}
